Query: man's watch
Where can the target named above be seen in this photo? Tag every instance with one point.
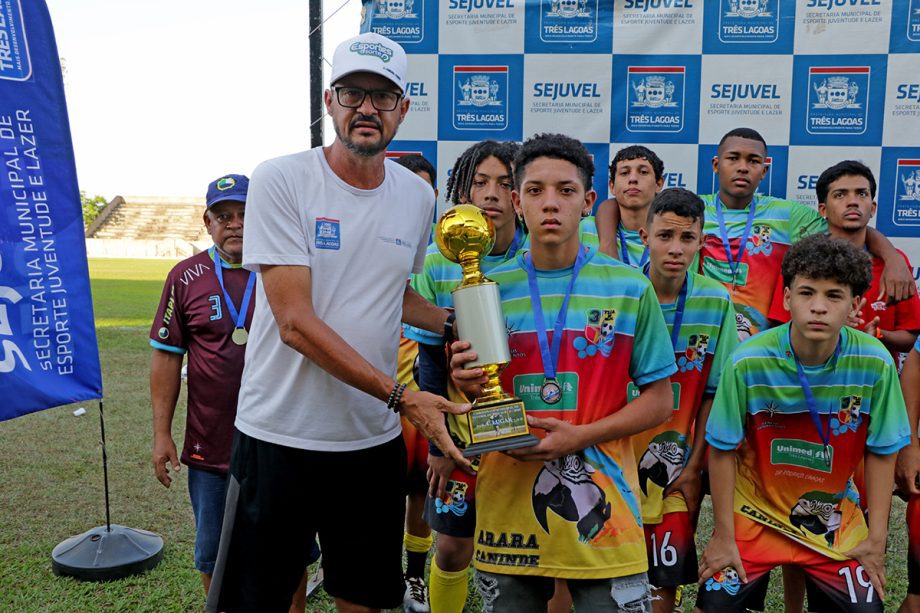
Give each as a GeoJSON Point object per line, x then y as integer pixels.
{"type": "Point", "coordinates": [449, 336]}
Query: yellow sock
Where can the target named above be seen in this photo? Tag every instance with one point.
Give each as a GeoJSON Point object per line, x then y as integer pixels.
{"type": "Point", "coordinates": [417, 544]}
{"type": "Point", "coordinates": [447, 590]}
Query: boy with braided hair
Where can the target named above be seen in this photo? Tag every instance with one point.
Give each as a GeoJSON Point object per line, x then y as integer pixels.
{"type": "Point", "coordinates": [482, 176]}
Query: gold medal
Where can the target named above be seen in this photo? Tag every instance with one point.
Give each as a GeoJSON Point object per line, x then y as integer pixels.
{"type": "Point", "coordinates": [239, 336]}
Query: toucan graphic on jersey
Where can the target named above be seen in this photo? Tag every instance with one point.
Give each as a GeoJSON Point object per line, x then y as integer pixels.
{"type": "Point", "coordinates": [818, 513]}
{"type": "Point", "coordinates": [564, 485]}
{"type": "Point", "coordinates": [663, 460]}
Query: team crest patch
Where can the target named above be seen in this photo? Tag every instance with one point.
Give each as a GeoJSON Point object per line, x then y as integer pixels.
{"type": "Point", "coordinates": [456, 503]}
{"type": "Point", "coordinates": [759, 241]}
{"type": "Point", "coordinates": [818, 513]}
{"type": "Point", "coordinates": [226, 183]}
{"type": "Point", "coordinates": [849, 416]}
{"type": "Point", "coordinates": [655, 98]}
{"type": "Point", "coordinates": [328, 234]}
{"type": "Point", "coordinates": [663, 460]}
{"type": "Point", "coordinates": [838, 100]}
{"type": "Point", "coordinates": [599, 334]}
{"type": "Point", "coordinates": [726, 580]}
{"type": "Point", "coordinates": [694, 354]}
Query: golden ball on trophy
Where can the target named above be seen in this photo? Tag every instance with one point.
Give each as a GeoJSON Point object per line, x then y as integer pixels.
{"type": "Point", "coordinates": [465, 235]}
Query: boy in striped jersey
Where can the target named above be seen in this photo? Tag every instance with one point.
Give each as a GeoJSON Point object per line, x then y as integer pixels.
{"type": "Point", "coordinates": [568, 507]}
{"type": "Point", "coordinates": [747, 233]}
{"type": "Point", "coordinates": [482, 175]}
{"type": "Point", "coordinates": [907, 473]}
{"type": "Point", "coordinates": [636, 176]}
{"type": "Point", "coordinates": [701, 322]}
{"type": "Point", "coordinates": [846, 199]}
{"type": "Point", "coordinates": [797, 408]}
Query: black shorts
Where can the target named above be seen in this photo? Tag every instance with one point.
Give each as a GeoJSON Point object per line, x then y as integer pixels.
{"type": "Point", "coordinates": [280, 498]}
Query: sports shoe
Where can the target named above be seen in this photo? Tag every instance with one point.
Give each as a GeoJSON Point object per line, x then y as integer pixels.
{"type": "Point", "coordinates": [416, 598]}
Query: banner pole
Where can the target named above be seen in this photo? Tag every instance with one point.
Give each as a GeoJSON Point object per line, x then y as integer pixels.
{"type": "Point", "coordinates": [107, 552]}
{"type": "Point", "coordinates": [315, 10]}
{"type": "Point", "coordinates": [105, 471]}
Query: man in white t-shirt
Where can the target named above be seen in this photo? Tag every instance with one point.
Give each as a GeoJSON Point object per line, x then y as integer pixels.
{"type": "Point", "coordinates": [334, 233]}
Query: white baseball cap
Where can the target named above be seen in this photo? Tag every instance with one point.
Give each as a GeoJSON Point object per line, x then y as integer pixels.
{"type": "Point", "coordinates": [371, 52]}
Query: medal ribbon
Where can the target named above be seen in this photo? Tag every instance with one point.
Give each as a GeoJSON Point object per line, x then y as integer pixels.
{"type": "Point", "coordinates": [812, 404]}
{"type": "Point", "coordinates": [732, 264]}
{"type": "Point", "coordinates": [624, 252]}
{"type": "Point", "coordinates": [239, 318]}
{"type": "Point", "coordinates": [515, 243]}
{"type": "Point", "coordinates": [679, 313]}
{"type": "Point", "coordinates": [550, 355]}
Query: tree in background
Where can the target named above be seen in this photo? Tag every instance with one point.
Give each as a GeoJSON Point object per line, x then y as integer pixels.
{"type": "Point", "coordinates": [91, 207]}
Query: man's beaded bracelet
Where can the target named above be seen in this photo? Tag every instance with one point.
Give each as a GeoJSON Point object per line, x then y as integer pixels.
{"type": "Point", "coordinates": [395, 397]}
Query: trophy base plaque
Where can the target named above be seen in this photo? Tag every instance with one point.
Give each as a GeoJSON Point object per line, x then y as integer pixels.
{"type": "Point", "coordinates": [498, 425]}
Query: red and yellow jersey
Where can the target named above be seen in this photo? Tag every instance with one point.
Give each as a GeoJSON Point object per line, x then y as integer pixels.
{"type": "Point", "coordinates": [707, 337]}
{"type": "Point", "coordinates": [777, 224]}
{"type": "Point", "coordinates": [578, 516]}
{"type": "Point", "coordinates": [904, 315]}
{"type": "Point", "coordinates": [786, 479]}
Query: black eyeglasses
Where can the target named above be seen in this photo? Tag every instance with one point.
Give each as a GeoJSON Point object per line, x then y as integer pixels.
{"type": "Point", "coordinates": [353, 97]}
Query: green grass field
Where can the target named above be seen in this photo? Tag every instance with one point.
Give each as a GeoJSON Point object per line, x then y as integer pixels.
{"type": "Point", "coordinates": [51, 483]}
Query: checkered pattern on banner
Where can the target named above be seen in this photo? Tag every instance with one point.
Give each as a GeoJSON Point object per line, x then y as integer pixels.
{"type": "Point", "coordinates": [675, 75]}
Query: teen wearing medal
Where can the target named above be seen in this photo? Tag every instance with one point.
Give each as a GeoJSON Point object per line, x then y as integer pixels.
{"type": "Point", "coordinates": [798, 407]}
{"type": "Point", "coordinates": [747, 233]}
{"type": "Point", "coordinates": [567, 508]}
{"type": "Point", "coordinates": [699, 313]}
{"type": "Point", "coordinates": [481, 176]}
{"type": "Point", "coordinates": [636, 176]}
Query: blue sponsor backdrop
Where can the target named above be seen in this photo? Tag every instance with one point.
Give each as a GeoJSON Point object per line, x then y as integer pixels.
{"type": "Point", "coordinates": [48, 351]}
{"type": "Point", "coordinates": [676, 74]}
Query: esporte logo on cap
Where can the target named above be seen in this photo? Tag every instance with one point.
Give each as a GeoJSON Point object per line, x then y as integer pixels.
{"type": "Point", "coordinates": [374, 49]}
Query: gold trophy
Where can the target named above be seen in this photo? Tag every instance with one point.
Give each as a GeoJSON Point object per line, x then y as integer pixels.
{"type": "Point", "coordinates": [497, 421]}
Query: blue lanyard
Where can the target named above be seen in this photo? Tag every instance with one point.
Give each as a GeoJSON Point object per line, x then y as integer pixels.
{"type": "Point", "coordinates": [515, 244]}
{"type": "Point", "coordinates": [812, 404]}
{"type": "Point", "coordinates": [239, 318]}
{"type": "Point", "coordinates": [549, 354]}
{"type": "Point", "coordinates": [732, 263]}
{"type": "Point", "coordinates": [679, 313]}
{"type": "Point", "coordinates": [624, 252]}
